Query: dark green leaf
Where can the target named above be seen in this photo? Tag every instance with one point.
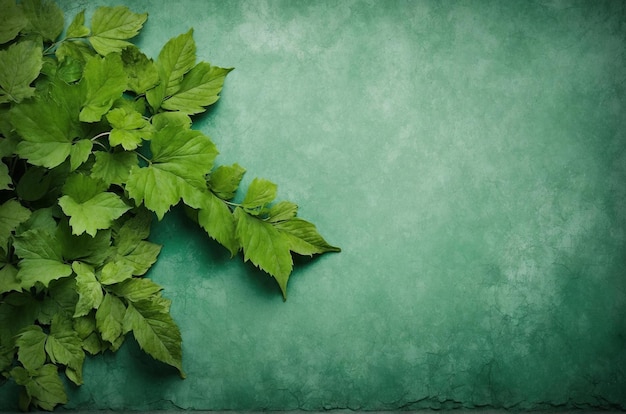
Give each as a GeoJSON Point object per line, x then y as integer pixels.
{"type": "Point", "coordinates": [44, 17]}
{"type": "Point", "coordinates": [12, 20]}
{"type": "Point", "coordinates": [43, 386]}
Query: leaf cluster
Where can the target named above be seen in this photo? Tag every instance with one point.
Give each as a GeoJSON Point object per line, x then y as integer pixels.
{"type": "Point", "coordinates": [96, 139]}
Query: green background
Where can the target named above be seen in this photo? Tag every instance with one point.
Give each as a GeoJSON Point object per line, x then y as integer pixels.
{"type": "Point", "coordinates": [470, 159]}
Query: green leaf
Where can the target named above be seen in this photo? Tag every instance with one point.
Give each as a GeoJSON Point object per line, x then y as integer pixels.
{"type": "Point", "coordinates": [12, 20]}
{"type": "Point", "coordinates": [177, 57]}
{"type": "Point", "coordinates": [88, 208]}
{"type": "Point", "coordinates": [70, 69]}
{"type": "Point", "coordinates": [85, 327]}
{"type": "Point", "coordinates": [113, 167]}
{"type": "Point", "coordinates": [140, 257]}
{"type": "Point", "coordinates": [109, 318]}
{"type": "Point", "coordinates": [180, 160]}
{"type": "Point", "coordinates": [129, 128]}
{"type": "Point", "coordinates": [111, 27]}
{"type": "Point", "coordinates": [79, 153]}
{"type": "Point", "coordinates": [225, 180]}
{"type": "Point", "coordinates": [44, 17]}
{"type": "Point", "coordinates": [115, 272]}
{"type": "Point", "coordinates": [8, 278]}
{"type": "Point", "coordinates": [64, 346]}
{"type": "Point", "coordinates": [31, 342]}
{"type": "Point", "coordinates": [76, 50]}
{"type": "Point", "coordinates": [60, 303]}
{"type": "Point", "coordinates": [285, 210]}
{"type": "Point", "coordinates": [48, 126]}
{"type": "Point", "coordinates": [303, 237]}
{"type": "Point", "coordinates": [142, 72]}
{"type": "Point", "coordinates": [215, 217]}
{"type": "Point", "coordinates": [130, 248]}
{"type": "Point", "coordinates": [89, 289]}
{"type": "Point", "coordinates": [84, 248]}
{"type": "Point", "coordinates": [136, 289]}
{"type": "Point", "coordinates": [260, 193]}
{"type": "Point", "coordinates": [41, 258]}
{"type": "Point", "coordinates": [17, 311]}
{"type": "Point", "coordinates": [77, 28]}
{"type": "Point", "coordinates": [198, 89]}
{"type": "Point", "coordinates": [104, 81]}
{"type": "Point", "coordinates": [43, 386]}
{"type": "Point", "coordinates": [265, 247]}
{"type": "Point", "coordinates": [20, 65]}
{"type": "Point", "coordinates": [12, 214]}
{"type": "Point", "coordinates": [156, 332]}
{"type": "Point", "coordinates": [164, 119]}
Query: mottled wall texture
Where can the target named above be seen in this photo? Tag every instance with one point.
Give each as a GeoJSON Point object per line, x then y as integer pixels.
{"type": "Point", "coordinates": [470, 159]}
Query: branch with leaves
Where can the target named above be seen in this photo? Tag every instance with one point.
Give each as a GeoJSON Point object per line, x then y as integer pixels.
{"type": "Point", "coordinates": [96, 139]}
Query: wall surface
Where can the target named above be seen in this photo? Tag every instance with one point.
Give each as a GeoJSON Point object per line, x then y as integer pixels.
{"type": "Point", "coordinates": [469, 157]}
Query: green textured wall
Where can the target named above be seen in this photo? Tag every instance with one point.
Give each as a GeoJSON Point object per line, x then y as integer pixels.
{"type": "Point", "coordinates": [470, 159]}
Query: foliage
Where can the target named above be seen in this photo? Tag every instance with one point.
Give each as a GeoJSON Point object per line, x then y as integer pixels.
{"type": "Point", "coordinates": [96, 138]}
